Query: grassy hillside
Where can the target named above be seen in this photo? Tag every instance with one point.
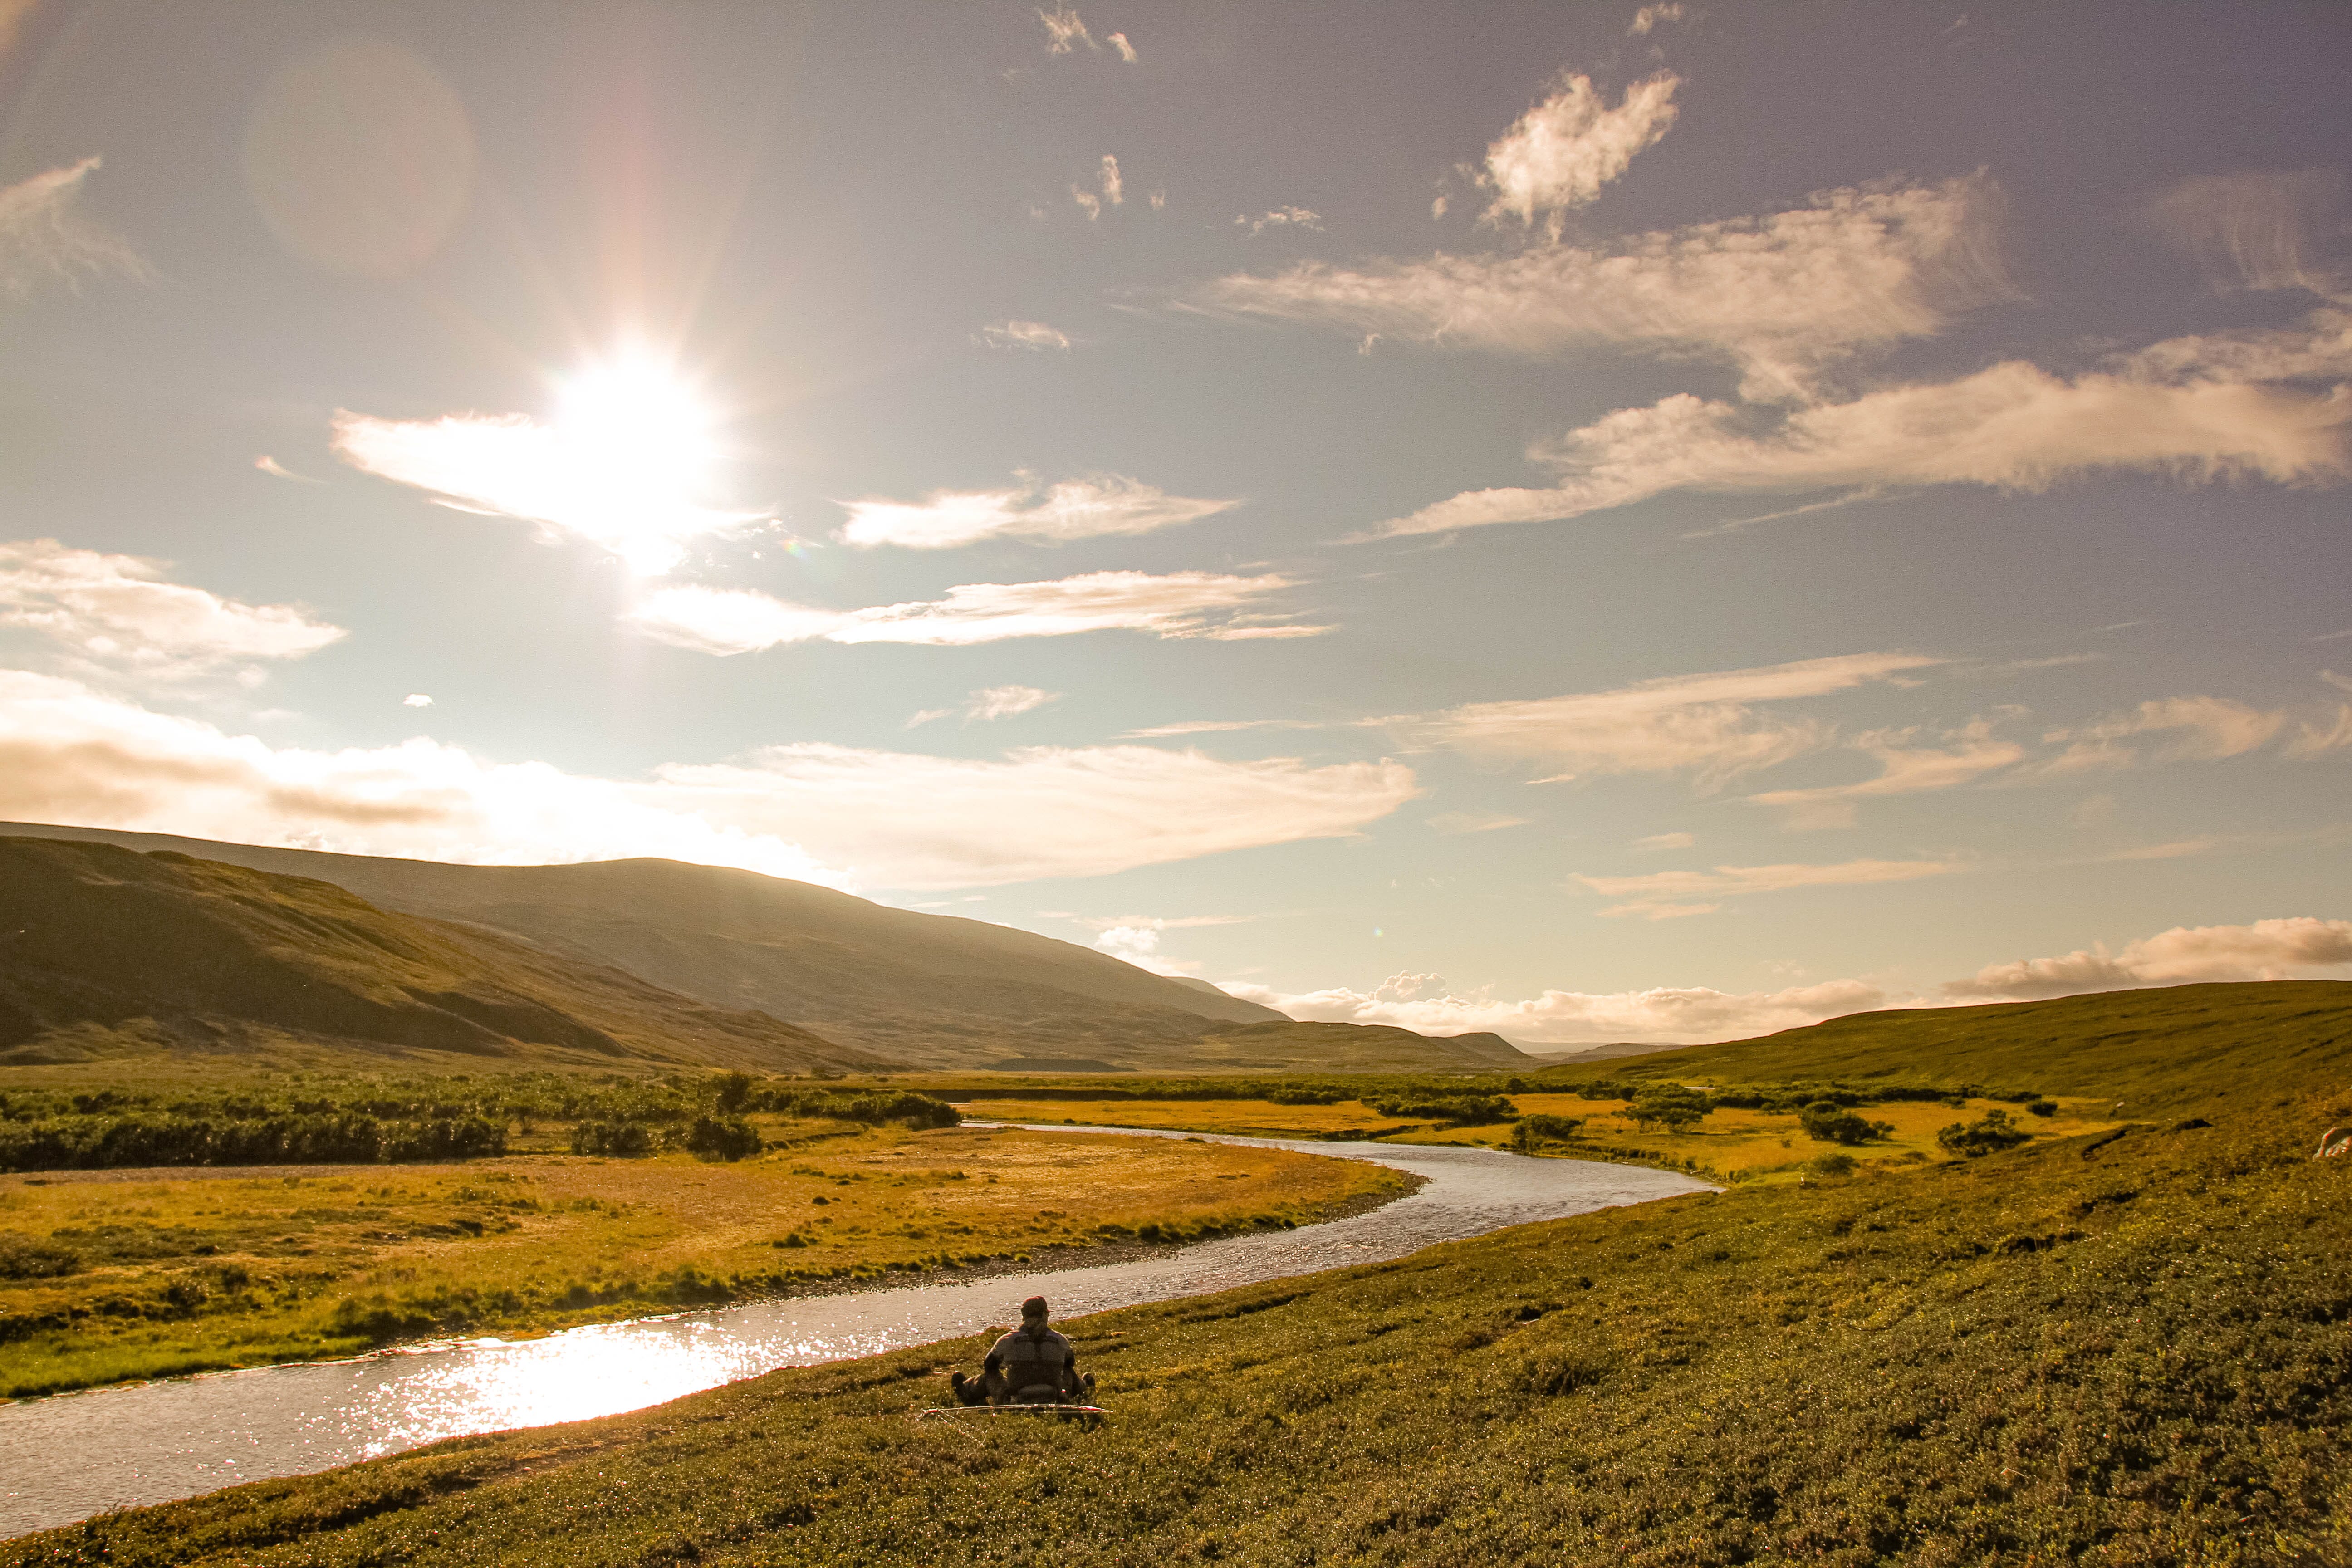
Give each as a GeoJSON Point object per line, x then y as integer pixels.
{"type": "Point", "coordinates": [1354, 1048]}
{"type": "Point", "coordinates": [2129, 1350]}
{"type": "Point", "coordinates": [928, 989]}
{"type": "Point", "coordinates": [108, 953]}
{"type": "Point", "coordinates": [2154, 1051]}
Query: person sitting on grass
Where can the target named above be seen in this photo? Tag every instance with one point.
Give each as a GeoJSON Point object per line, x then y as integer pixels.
{"type": "Point", "coordinates": [1031, 1365]}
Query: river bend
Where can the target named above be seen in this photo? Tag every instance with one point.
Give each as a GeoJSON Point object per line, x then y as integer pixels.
{"type": "Point", "coordinates": [65, 1457]}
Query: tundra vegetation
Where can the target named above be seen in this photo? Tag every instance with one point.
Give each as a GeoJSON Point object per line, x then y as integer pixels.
{"type": "Point", "coordinates": [2127, 1347]}
{"type": "Point", "coordinates": [692, 1192]}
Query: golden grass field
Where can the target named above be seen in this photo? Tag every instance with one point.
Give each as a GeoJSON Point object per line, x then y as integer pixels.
{"type": "Point", "coordinates": [193, 1270]}
{"type": "Point", "coordinates": [1756, 1144]}
{"type": "Point", "coordinates": [1241, 1118]}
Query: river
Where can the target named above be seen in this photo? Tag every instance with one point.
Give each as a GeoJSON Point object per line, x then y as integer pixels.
{"type": "Point", "coordinates": [65, 1457]}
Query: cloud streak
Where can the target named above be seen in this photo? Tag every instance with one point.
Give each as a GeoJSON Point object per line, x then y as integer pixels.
{"type": "Point", "coordinates": [1562, 152]}
{"type": "Point", "coordinates": [44, 238]}
{"type": "Point", "coordinates": [1704, 725]}
{"type": "Point", "coordinates": [631, 491]}
{"type": "Point", "coordinates": [2297, 949]}
{"type": "Point", "coordinates": [1669, 895]}
{"type": "Point", "coordinates": [117, 612]}
{"type": "Point", "coordinates": [2198, 409]}
{"type": "Point", "coordinates": [725, 621]}
{"type": "Point", "coordinates": [1784, 296]}
{"type": "Point", "coordinates": [826, 813]}
{"type": "Point", "coordinates": [1096, 507]}
{"type": "Point", "coordinates": [1679, 1014]}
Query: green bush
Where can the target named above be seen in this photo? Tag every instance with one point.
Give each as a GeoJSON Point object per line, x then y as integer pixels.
{"type": "Point", "coordinates": [1670, 1105]}
{"type": "Point", "coordinates": [1825, 1122]}
{"type": "Point", "coordinates": [623, 1138]}
{"type": "Point", "coordinates": [722, 1138]}
{"type": "Point", "coordinates": [1456, 1109]}
{"type": "Point", "coordinates": [1830, 1164]}
{"type": "Point", "coordinates": [1531, 1132]}
{"type": "Point", "coordinates": [1993, 1134]}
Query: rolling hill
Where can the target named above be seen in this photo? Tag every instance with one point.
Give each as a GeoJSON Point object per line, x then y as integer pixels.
{"type": "Point", "coordinates": [2154, 1049]}
{"type": "Point", "coordinates": [105, 952]}
{"type": "Point", "coordinates": [930, 991]}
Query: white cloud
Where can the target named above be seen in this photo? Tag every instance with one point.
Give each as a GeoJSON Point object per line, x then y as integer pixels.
{"type": "Point", "coordinates": [1660, 895]}
{"type": "Point", "coordinates": [1282, 218]}
{"type": "Point", "coordinates": [1681, 1015]}
{"type": "Point", "coordinates": [116, 612]}
{"type": "Point", "coordinates": [992, 702]}
{"type": "Point", "coordinates": [416, 699]}
{"type": "Point", "coordinates": [1650, 16]}
{"type": "Point", "coordinates": [1560, 153]}
{"type": "Point", "coordinates": [1126, 51]}
{"type": "Point", "coordinates": [2188, 729]}
{"type": "Point", "coordinates": [1113, 188]}
{"type": "Point", "coordinates": [1087, 202]}
{"type": "Point", "coordinates": [68, 754]}
{"type": "Point", "coordinates": [1902, 770]}
{"type": "Point", "coordinates": [1099, 506]}
{"type": "Point", "coordinates": [623, 468]}
{"type": "Point", "coordinates": [278, 470]}
{"type": "Point", "coordinates": [44, 238]}
{"type": "Point", "coordinates": [1176, 605]}
{"type": "Point", "coordinates": [1454, 823]}
{"type": "Point", "coordinates": [1782, 295]}
{"type": "Point", "coordinates": [1022, 335]}
{"type": "Point", "coordinates": [2203, 408]}
{"type": "Point", "coordinates": [1706, 725]}
{"type": "Point", "coordinates": [1064, 29]}
{"type": "Point", "coordinates": [2261, 231]}
{"type": "Point", "coordinates": [937, 822]}
{"type": "Point", "coordinates": [1139, 945]}
{"type": "Point", "coordinates": [2298, 949]}
{"type": "Point", "coordinates": [1665, 841]}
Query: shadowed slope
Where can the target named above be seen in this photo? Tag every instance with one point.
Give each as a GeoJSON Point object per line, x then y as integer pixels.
{"type": "Point", "coordinates": [922, 988]}
{"type": "Point", "coordinates": [104, 951]}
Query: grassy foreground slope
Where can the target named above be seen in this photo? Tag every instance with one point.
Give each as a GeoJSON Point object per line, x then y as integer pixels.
{"type": "Point", "coordinates": [112, 952]}
{"type": "Point", "coordinates": [2133, 1349]}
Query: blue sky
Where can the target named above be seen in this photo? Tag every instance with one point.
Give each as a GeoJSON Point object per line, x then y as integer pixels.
{"type": "Point", "coordinates": [1593, 521]}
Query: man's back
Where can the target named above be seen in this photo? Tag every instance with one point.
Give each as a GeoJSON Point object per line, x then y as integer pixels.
{"type": "Point", "coordinates": [1035, 1363]}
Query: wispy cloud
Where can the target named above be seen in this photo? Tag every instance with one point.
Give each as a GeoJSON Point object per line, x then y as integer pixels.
{"type": "Point", "coordinates": [989, 703]}
{"type": "Point", "coordinates": [1705, 725]}
{"type": "Point", "coordinates": [2261, 231]}
{"type": "Point", "coordinates": [1681, 1015]}
{"type": "Point", "coordinates": [1667, 895]}
{"type": "Point", "coordinates": [1902, 769]}
{"type": "Point", "coordinates": [1650, 16]}
{"type": "Point", "coordinates": [1783, 296]}
{"type": "Point", "coordinates": [1016, 334]}
{"type": "Point", "coordinates": [1281, 217]}
{"type": "Point", "coordinates": [825, 813]}
{"type": "Point", "coordinates": [630, 483]}
{"type": "Point", "coordinates": [1110, 190]}
{"type": "Point", "coordinates": [1563, 152]}
{"type": "Point", "coordinates": [278, 470]}
{"type": "Point", "coordinates": [118, 613]}
{"type": "Point", "coordinates": [44, 238]}
{"type": "Point", "coordinates": [2206, 409]}
{"type": "Point", "coordinates": [1099, 506]}
{"type": "Point", "coordinates": [2297, 949]}
{"type": "Point", "coordinates": [1126, 51]}
{"type": "Point", "coordinates": [725, 621]}
{"type": "Point", "coordinates": [1454, 823]}
{"type": "Point", "coordinates": [1064, 31]}
{"type": "Point", "coordinates": [1663, 841]}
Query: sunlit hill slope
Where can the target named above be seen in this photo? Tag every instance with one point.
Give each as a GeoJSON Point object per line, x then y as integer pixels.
{"type": "Point", "coordinates": [104, 951]}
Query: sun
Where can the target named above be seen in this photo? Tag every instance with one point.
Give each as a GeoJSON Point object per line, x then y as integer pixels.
{"type": "Point", "coordinates": [641, 442]}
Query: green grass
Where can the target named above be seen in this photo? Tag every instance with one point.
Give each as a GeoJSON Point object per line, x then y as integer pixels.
{"type": "Point", "coordinates": [146, 1274]}
{"type": "Point", "coordinates": [2126, 1348]}
{"type": "Point", "coordinates": [2150, 1050]}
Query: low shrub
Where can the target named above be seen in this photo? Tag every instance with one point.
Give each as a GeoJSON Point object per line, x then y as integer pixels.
{"type": "Point", "coordinates": [1994, 1133]}
{"type": "Point", "coordinates": [1825, 1122]}
{"type": "Point", "coordinates": [1455, 1110]}
{"type": "Point", "coordinates": [722, 1138]}
{"type": "Point", "coordinates": [627, 1139]}
{"type": "Point", "coordinates": [1533, 1131]}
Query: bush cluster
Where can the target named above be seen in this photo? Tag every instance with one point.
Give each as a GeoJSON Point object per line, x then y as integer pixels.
{"type": "Point", "coordinates": [1456, 1109]}
{"type": "Point", "coordinates": [106, 1141]}
{"type": "Point", "coordinates": [1825, 1122]}
{"type": "Point", "coordinates": [1989, 1135]}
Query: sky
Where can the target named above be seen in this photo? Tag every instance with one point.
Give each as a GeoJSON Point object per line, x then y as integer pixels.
{"type": "Point", "coordinates": [1593, 521]}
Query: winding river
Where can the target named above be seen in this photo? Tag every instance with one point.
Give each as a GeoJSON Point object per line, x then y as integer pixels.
{"type": "Point", "coordinates": [70, 1456]}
